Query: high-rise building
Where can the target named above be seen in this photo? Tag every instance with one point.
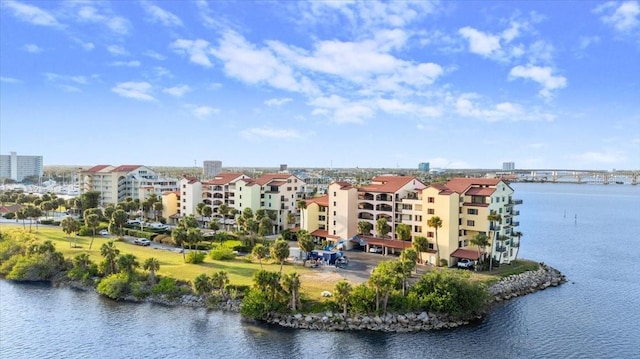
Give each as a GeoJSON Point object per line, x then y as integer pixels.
{"type": "Point", "coordinates": [423, 166]}
{"type": "Point", "coordinates": [508, 166]}
{"type": "Point", "coordinates": [210, 169]}
{"type": "Point", "coordinates": [18, 167]}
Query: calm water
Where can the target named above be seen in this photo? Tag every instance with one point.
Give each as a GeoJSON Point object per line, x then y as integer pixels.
{"type": "Point", "coordinates": [590, 232]}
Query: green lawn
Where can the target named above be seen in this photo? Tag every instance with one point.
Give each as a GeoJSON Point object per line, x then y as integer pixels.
{"type": "Point", "coordinates": [172, 264]}
{"type": "Point", "coordinates": [505, 270]}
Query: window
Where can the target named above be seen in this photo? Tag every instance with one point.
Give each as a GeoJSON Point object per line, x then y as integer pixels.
{"type": "Point", "coordinates": [335, 194]}
{"type": "Point", "coordinates": [429, 234]}
{"type": "Point", "coordinates": [334, 223]}
{"type": "Point", "coordinates": [473, 211]}
{"type": "Point", "coordinates": [184, 207]}
{"type": "Point", "coordinates": [431, 199]}
{"type": "Point", "coordinates": [471, 223]}
{"type": "Point", "coordinates": [335, 213]}
{"type": "Point", "coordinates": [335, 203]}
{"type": "Point", "coordinates": [417, 229]}
{"type": "Point", "coordinates": [418, 218]}
{"type": "Point", "coordinates": [431, 211]}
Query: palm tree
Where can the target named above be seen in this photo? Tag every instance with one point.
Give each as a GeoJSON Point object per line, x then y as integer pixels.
{"type": "Point", "coordinates": [152, 265]}
{"type": "Point", "coordinates": [305, 243]}
{"type": "Point", "coordinates": [517, 235]}
{"type": "Point", "coordinates": [260, 251]}
{"type": "Point", "coordinates": [280, 251]}
{"type": "Point", "coordinates": [128, 263]}
{"type": "Point", "coordinates": [69, 225]}
{"type": "Point", "coordinates": [480, 240]}
{"type": "Point", "coordinates": [420, 244]}
{"type": "Point", "coordinates": [382, 227]}
{"type": "Point", "coordinates": [110, 253]}
{"type": "Point", "coordinates": [118, 219]}
{"type": "Point", "coordinates": [302, 206]}
{"type": "Point", "coordinates": [291, 219]}
{"type": "Point", "coordinates": [92, 221]}
{"type": "Point", "coordinates": [435, 222]}
{"type": "Point", "coordinates": [21, 214]}
{"type": "Point", "coordinates": [291, 284]}
{"type": "Point", "coordinates": [202, 284]}
{"type": "Point", "coordinates": [493, 217]}
{"type": "Point", "coordinates": [403, 232]}
{"type": "Point", "coordinates": [342, 294]}
{"type": "Point", "coordinates": [219, 281]}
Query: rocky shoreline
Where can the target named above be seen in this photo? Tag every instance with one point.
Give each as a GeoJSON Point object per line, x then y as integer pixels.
{"type": "Point", "coordinates": [505, 289]}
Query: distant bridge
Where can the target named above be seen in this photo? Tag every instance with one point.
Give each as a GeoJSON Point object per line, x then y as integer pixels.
{"type": "Point", "coordinates": [578, 176]}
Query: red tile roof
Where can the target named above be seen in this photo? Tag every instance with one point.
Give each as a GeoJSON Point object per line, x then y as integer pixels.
{"type": "Point", "coordinates": [224, 178]}
{"type": "Point", "coordinates": [266, 178]}
{"type": "Point", "coordinates": [320, 201]}
{"type": "Point", "coordinates": [97, 168]}
{"type": "Point", "coordinates": [126, 168]}
{"type": "Point", "coordinates": [191, 179]}
{"type": "Point", "coordinates": [466, 254]}
{"type": "Point", "coordinates": [320, 233]}
{"type": "Point", "coordinates": [460, 185]}
{"type": "Point", "coordinates": [478, 191]}
{"type": "Point", "coordinates": [390, 243]}
{"type": "Point", "coordinates": [343, 184]}
{"type": "Point", "coordinates": [171, 192]}
{"type": "Point", "coordinates": [10, 208]}
{"type": "Point", "coordinates": [387, 184]}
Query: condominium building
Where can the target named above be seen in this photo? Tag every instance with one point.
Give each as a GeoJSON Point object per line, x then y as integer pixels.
{"type": "Point", "coordinates": [315, 218]}
{"type": "Point", "coordinates": [115, 184]}
{"type": "Point", "coordinates": [278, 192]}
{"type": "Point", "coordinates": [462, 204]}
{"type": "Point", "coordinates": [221, 190]}
{"type": "Point", "coordinates": [15, 167]}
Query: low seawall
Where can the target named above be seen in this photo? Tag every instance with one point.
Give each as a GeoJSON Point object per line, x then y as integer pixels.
{"type": "Point", "coordinates": [505, 289]}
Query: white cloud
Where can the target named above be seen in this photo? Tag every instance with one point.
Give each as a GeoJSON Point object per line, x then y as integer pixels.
{"type": "Point", "coordinates": [117, 24]}
{"type": "Point", "coordinates": [9, 80]}
{"type": "Point", "coordinates": [154, 55]}
{"type": "Point", "coordinates": [162, 72]}
{"type": "Point", "coordinates": [117, 50]}
{"type": "Point", "coordinates": [177, 91]}
{"type": "Point", "coordinates": [135, 90]}
{"type": "Point", "coordinates": [31, 14]}
{"type": "Point", "coordinates": [341, 110]}
{"type": "Point", "coordinates": [88, 46]}
{"type": "Point", "coordinates": [160, 15]}
{"type": "Point", "coordinates": [53, 77]}
{"type": "Point", "coordinates": [624, 17]}
{"type": "Point", "coordinates": [202, 112]}
{"type": "Point", "coordinates": [69, 88]}
{"type": "Point", "coordinates": [266, 132]}
{"type": "Point", "coordinates": [250, 64]}
{"type": "Point", "coordinates": [32, 48]}
{"type": "Point", "coordinates": [541, 75]}
{"type": "Point", "coordinates": [132, 63]}
{"type": "Point", "coordinates": [277, 101]}
{"type": "Point", "coordinates": [479, 42]}
{"type": "Point", "coordinates": [196, 50]}
{"type": "Point", "coordinates": [468, 105]}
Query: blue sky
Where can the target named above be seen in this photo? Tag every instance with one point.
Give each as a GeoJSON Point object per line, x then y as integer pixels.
{"type": "Point", "coordinates": [467, 84]}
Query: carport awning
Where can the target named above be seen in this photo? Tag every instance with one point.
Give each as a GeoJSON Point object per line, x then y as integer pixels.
{"type": "Point", "coordinates": [466, 254]}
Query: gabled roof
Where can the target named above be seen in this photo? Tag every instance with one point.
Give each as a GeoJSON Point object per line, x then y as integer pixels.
{"type": "Point", "coordinates": [480, 191]}
{"type": "Point", "coordinates": [387, 184]}
{"type": "Point", "coordinates": [224, 178]}
{"type": "Point", "coordinates": [177, 193]}
{"type": "Point", "coordinates": [97, 168]}
{"type": "Point", "coordinates": [343, 184]}
{"type": "Point", "coordinates": [320, 201]}
{"type": "Point", "coordinates": [191, 179]}
{"type": "Point", "coordinates": [460, 185]}
{"type": "Point", "coordinates": [126, 168]}
{"type": "Point", "coordinates": [266, 178]}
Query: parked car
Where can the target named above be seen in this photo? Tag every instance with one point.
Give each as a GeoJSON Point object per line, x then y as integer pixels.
{"type": "Point", "coordinates": [142, 242]}
{"type": "Point", "coordinates": [104, 232]}
{"type": "Point", "coordinates": [375, 250]}
{"type": "Point", "coordinates": [466, 263]}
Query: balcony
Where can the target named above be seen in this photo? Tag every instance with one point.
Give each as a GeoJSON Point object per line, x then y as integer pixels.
{"type": "Point", "coordinates": [515, 213]}
{"type": "Point", "coordinates": [365, 197]}
{"type": "Point", "coordinates": [494, 227]}
{"type": "Point", "coordinates": [515, 223]}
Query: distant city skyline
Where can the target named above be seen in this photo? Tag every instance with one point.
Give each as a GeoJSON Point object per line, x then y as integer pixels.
{"type": "Point", "coordinates": [336, 84]}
